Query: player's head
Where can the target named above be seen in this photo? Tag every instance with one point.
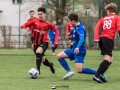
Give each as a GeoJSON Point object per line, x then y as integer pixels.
{"type": "Point", "coordinates": [54, 22]}
{"type": "Point", "coordinates": [32, 13]}
{"type": "Point", "coordinates": [111, 8]}
{"type": "Point", "coordinates": [41, 13]}
{"type": "Point", "coordinates": [73, 18]}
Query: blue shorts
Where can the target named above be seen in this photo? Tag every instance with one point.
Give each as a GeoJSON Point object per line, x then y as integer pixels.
{"type": "Point", "coordinates": [79, 58]}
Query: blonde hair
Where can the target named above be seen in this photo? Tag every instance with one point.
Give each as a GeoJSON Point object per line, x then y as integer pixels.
{"type": "Point", "coordinates": [112, 7]}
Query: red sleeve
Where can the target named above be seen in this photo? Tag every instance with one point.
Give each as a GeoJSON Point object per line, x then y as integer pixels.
{"type": "Point", "coordinates": [96, 30]}
{"type": "Point", "coordinates": [52, 27]}
{"type": "Point", "coordinates": [29, 29]}
{"type": "Point", "coordinates": [118, 25]}
{"type": "Point", "coordinates": [28, 23]}
{"type": "Point", "coordinates": [67, 29]}
{"type": "Point", "coordinates": [29, 26]}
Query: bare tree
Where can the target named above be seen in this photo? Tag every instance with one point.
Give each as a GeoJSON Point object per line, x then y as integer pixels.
{"type": "Point", "coordinates": [60, 7]}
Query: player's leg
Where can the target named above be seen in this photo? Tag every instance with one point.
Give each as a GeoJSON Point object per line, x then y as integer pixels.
{"type": "Point", "coordinates": [53, 47]}
{"type": "Point", "coordinates": [80, 69]}
{"type": "Point", "coordinates": [39, 56]}
{"type": "Point", "coordinates": [79, 61]}
{"type": "Point", "coordinates": [106, 46]}
{"type": "Point", "coordinates": [60, 57]}
{"type": "Point", "coordinates": [45, 61]}
{"type": "Point", "coordinates": [49, 64]}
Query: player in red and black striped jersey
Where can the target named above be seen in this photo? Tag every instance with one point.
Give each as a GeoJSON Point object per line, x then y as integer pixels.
{"type": "Point", "coordinates": [32, 27]}
{"type": "Point", "coordinates": [69, 27]}
{"type": "Point", "coordinates": [109, 25]}
{"type": "Point", "coordinates": [40, 41]}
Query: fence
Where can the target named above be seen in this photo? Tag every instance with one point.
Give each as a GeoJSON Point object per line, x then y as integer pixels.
{"type": "Point", "coordinates": [10, 38]}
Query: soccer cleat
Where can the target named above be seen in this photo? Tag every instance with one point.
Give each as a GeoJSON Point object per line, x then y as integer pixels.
{"type": "Point", "coordinates": [68, 75]}
{"type": "Point", "coordinates": [52, 68]}
{"type": "Point", "coordinates": [103, 77]}
{"type": "Point", "coordinates": [97, 79]}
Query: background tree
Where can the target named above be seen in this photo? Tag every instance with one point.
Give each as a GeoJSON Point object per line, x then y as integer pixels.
{"type": "Point", "coordinates": [60, 8]}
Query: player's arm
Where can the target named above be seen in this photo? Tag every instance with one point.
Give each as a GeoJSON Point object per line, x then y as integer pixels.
{"type": "Point", "coordinates": [67, 30]}
{"type": "Point", "coordinates": [27, 24]}
{"type": "Point", "coordinates": [52, 27]}
{"type": "Point", "coordinates": [71, 32]}
{"type": "Point", "coordinates": [118, 25]}
{"type": "Point", "coordinates": [81, 34]}
{"type": "Point", "coordinates": [96, 30]}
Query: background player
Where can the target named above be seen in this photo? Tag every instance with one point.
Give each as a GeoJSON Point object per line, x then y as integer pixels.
{"type": "Point", "coordinates": [52, 37]}
{"type": "Point", "coordinates": [69, 27]}
{"type": "Point", "coordinates": [32, 27]}
{"type": "Point", "coordinates": [78, 51]}
{"type": "Point", "coordinates": [109, 25]}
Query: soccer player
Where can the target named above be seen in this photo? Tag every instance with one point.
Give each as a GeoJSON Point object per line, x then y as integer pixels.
{"type": "Point", "coordinates": [40, 40]}
{"type": "Point", "coordinates": [52, 37]}
{"type": "Point", "coordinates": [109, 25]}
{"type": "Point", "coordinates": [32, 27]}
{"type": "Point", "coordinates": [77, 52]}
{"type": "Point", "coordinates": [69, 27]}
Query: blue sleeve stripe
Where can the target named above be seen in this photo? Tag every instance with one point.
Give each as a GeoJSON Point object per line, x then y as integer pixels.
{"type": "Point", "coordinates": [81, 40]}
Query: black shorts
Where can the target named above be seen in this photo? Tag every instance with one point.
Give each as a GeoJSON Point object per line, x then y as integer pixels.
{"type": "Point", "coordinates": [106, 46]}
{"type": "Point", "coordinates": [44, 45]}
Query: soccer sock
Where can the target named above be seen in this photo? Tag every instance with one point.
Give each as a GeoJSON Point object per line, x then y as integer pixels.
{"type": "Point", "coordinates": [53, 48]}
{"type": "Point", "coordinates": [88, 71]}
{"type": "Point", "coordinates": [47, 63]}
{"type": "Point", "coordinates": [102, 68]}
{"type": "Point", "coordinates": [38, 60]}
{"type": "Point", "coordinates": [64, 64]}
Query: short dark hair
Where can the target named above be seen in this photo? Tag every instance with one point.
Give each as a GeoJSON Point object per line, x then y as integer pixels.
{"type": "Point", "coordinates": [73, 16]}
{"type": "Point", "coordinates": [112, 7]}
{"type": "Point", "coordinates": [31, 11]}
{"type": "Point", "coordinates": [42, 9]}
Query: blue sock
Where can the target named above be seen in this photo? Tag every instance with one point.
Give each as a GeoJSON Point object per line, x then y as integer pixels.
{"type": "Point", "coordinates": [53, 50]}
{"type": "Point", "coordinates": [88, 71]}
{"type": "Point", "coordinates": [64, 64]}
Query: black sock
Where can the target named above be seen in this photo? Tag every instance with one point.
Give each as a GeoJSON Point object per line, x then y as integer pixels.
{"type": "Point", "coordinates": [102, 68]}
{"type": "Point", "coordinates": [47, 63]}
{"type": "Point", "coordinates": [38, 60]}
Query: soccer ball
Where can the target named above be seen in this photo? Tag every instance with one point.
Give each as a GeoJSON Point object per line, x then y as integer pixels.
{"type": "Point", "coordinates": [33, 73]}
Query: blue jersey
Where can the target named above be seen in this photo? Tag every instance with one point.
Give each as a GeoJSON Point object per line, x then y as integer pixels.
{"type": "Point", "coordinates": [52, 33]}
{"type": "Point", "coordinates": [79, 38]}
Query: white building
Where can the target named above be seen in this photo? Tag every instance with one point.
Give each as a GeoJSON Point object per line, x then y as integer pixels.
{"type": "Point", "coordinates": [10, 11]}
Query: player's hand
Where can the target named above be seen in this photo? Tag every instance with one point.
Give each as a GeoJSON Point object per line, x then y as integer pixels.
{"type": "Point", "coordinates": [76, 51]}
{"type": "Point", "coordinates": [55, 45]}
{"type": "Point", "coordinates": [22, 26]}
{"type": "Point", "coordinates": [95, 44]}
{"type": "Point", "coordinates": [59, 38]}
{"type": "Point", "coordinates": [32, 45]}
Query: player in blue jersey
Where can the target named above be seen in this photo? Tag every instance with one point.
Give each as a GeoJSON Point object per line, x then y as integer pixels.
{"type": "Point", "coordinates": [52, 37]}
{"type": "Point", "coordinates": [78, 51]}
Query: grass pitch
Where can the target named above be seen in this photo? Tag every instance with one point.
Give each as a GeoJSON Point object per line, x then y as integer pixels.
{"type": "Point", "coordinates": [14, 66]}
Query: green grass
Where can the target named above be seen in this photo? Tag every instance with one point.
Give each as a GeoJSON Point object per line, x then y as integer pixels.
{"type": "Point", "coordinates": [14, 66]}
